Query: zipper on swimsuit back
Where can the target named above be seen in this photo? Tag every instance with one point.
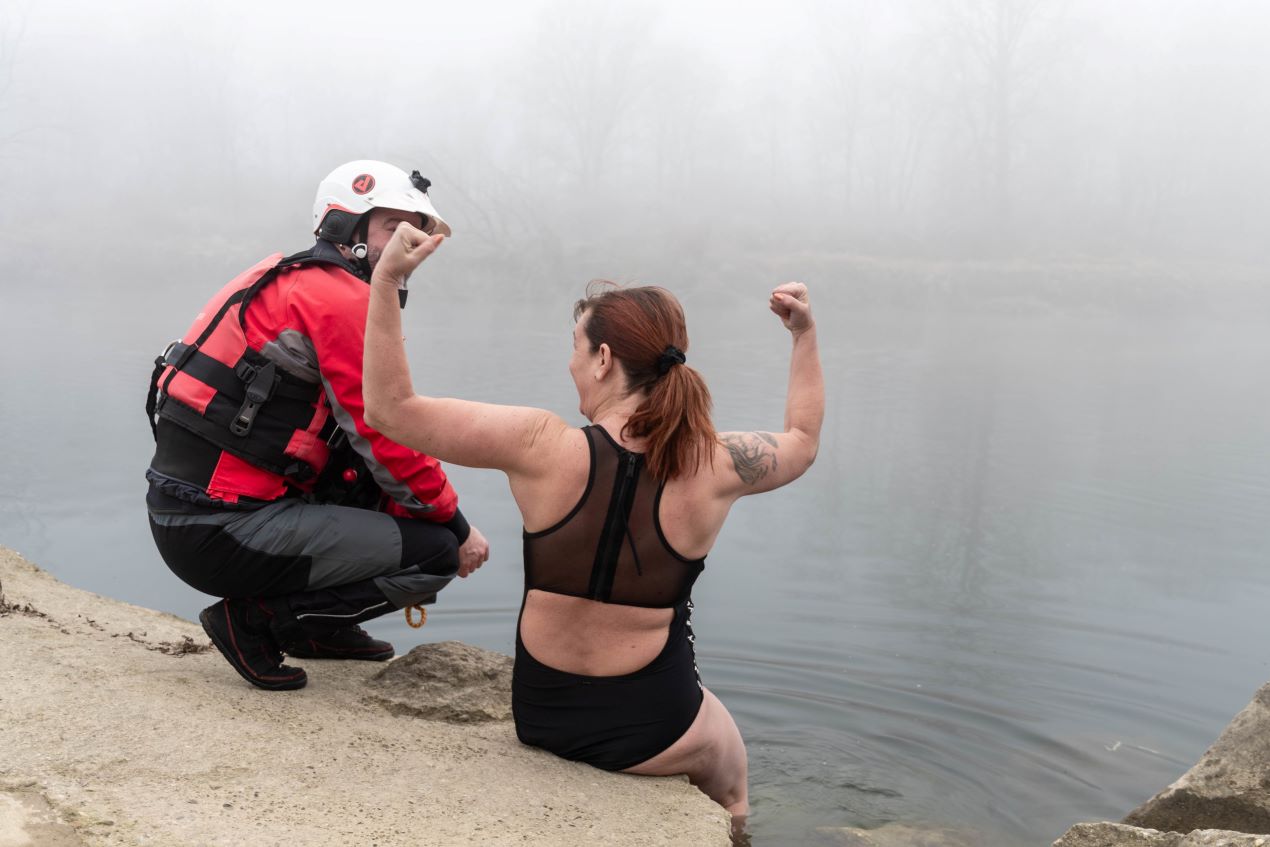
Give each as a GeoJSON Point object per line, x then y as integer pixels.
{"type": "Point", "coordinates": [616, 528]}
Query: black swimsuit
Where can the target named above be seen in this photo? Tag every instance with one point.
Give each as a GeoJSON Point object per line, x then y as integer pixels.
{"type": "Point", "coordinates": [611, 548]}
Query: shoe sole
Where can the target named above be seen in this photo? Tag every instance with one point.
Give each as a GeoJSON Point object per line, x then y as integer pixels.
{"type": "Point", "coordinates": [381, 656]}
{"type": "Point", "coordinates": [289, 683]}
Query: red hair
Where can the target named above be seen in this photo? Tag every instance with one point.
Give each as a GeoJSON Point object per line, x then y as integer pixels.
{"type": "Point", "coordinates": [640, 325]}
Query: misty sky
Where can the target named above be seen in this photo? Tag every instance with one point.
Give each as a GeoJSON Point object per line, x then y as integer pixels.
{"type": "Point", "coordinates": [931, 128]}
{"type": "Point", "coordinates": [1035, 230]}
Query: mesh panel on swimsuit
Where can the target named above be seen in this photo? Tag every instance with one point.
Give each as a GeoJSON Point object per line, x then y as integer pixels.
{"type": "Point", "coordinates": [610, 547]}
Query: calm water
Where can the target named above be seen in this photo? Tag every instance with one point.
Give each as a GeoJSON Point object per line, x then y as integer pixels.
{"type": "Point", "coordinates": [1024, 585]}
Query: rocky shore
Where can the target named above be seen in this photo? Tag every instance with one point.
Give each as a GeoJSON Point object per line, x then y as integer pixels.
{"type": "Point", "coordinates": [120, 726]}
{"type": "Point", "coordinates": [1224, 801]}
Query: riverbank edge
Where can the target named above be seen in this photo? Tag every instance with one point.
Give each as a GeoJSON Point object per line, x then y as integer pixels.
{"type": "Point", "coordinates": [1222, 801]}
{"type": "Point", "coordinates": [118, 726]}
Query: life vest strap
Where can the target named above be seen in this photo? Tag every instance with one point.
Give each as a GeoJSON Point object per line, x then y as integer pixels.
{"type": "Point", "coordinates": [152, 396]}
{"type": "Point", "coordinates": [230, 381]}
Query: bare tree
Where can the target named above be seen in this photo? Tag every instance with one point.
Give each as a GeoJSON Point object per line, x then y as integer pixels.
{"type": "Point", "coordinates": [845, 32]}
{"type": "Point", "coordinates": [676, 120]}
{"type": "Point", "coordinates": [1001, 52]}
{"type": "Point", "coordinates": [12, 30]}
{"type": "Point", "coordinates": [584, 77]}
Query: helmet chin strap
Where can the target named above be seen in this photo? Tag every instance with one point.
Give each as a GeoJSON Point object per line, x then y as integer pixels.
{"type": "Point", "coordinates": [358, 248]}
{"type": "Point", "coordinates": [359, 252]}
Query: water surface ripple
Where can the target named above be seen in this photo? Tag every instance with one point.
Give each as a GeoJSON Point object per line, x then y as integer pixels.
{"type": "Point", "coordinates": [1023, 586]}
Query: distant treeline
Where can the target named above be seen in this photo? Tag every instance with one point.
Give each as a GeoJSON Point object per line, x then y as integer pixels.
{"type": "Point", "coordinates": [963, 129]}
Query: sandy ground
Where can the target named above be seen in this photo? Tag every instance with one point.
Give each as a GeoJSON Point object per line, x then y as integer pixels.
{"type": "Point", "coordinates": [112, 734]}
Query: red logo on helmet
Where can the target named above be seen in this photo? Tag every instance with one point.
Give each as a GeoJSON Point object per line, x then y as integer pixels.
{"type": "Point", "coordinates": [363, 183]}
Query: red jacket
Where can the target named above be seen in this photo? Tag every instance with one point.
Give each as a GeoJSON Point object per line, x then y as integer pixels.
{"type": "Point", "coordinates": [310, 322]}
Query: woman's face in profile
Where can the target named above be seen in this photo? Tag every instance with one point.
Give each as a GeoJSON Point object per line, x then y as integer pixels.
{"type": "Point", "coordinates": [581, 364]}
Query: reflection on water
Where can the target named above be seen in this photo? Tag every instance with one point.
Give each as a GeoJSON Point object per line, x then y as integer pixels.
{"type": "Point", "coordinates": [1021, 587]}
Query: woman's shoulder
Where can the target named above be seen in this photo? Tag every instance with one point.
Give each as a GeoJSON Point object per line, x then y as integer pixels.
{"type": "Point", "coordinates": [559, 474]}
{"type": "Point", "coordinates": [556, 445]}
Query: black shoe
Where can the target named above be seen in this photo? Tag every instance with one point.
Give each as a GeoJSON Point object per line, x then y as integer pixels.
{"type": "Point", "coordinates": [350, 642]}
{"type": "Point", "coordinates": [240, 630]}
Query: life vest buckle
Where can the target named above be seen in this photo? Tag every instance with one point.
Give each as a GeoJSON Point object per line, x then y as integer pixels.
{"type": "Point", "coordinates": [260, 382]}
{"type": "Point", "coordinates": [241, 425]}
{"type": "Point", "coordinates": [246, 371]}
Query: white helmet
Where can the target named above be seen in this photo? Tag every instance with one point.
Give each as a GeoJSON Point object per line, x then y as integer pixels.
{"type": "Point", "coordinates": [353, 189]}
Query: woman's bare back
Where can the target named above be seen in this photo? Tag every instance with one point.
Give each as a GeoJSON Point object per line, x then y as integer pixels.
{"type": "Point", "coordinates": [588, 637]}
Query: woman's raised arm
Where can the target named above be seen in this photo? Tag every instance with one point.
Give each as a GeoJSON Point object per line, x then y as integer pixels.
{"type": "Point", "coordinates": [480, 435]}
{"type": "Point", "coordinates": [761, 461]}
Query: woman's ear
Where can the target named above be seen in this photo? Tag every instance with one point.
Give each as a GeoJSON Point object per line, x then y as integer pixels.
{"type": "Point", "coordinates": [606, 362]}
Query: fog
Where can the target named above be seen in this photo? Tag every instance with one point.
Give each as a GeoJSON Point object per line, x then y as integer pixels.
{"type": "Point", "coordinates": [915, 128]}
{"type": "Point", "coordinates": [1034, 232]}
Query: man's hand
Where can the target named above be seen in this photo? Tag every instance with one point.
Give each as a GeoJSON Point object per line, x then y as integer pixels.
{"type": "Point", "coordinates": [405, 251]}
{"type": "Point", "coordinates": [474, 552]}
{"type": "Point", "coordinates": [792, 305]}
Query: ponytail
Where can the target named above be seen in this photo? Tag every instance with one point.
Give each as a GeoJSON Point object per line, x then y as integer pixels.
{"type": "Point", "coordinates": [675, 420]}
{"type": "Point", "coordinates": [644, 327]}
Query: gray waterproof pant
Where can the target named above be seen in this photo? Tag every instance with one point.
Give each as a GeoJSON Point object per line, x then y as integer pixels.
{"type": "Point", "coordinates": [335, 565]}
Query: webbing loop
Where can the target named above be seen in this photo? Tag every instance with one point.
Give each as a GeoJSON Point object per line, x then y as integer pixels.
{"type": "Point", "coordinates": [423, 616]}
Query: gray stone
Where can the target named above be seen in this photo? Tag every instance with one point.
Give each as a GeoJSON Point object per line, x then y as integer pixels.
{"type": "Point", "coordinates": [448, 681]}
{"type": "Point", "coordinates": [900, 835]}
{"type": "Point", "coordinates": [1122, 835]}
{"type": "Point", "coordinates": [1228, 789]}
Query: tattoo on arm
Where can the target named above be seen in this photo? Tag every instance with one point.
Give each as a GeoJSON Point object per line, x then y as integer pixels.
{"type": "Point", "coordinates": [752, 457]}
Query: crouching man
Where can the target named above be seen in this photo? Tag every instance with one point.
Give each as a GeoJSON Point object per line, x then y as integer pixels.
{"type": "Point", "coordinates": [267, 487]}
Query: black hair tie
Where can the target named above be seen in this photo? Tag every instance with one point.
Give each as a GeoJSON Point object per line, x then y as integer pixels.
{"type": "Point", "coordinates": [668, 359]}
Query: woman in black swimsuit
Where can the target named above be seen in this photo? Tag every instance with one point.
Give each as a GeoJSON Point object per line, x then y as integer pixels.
{"type": "Point", "coordinates": [618, 518]}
